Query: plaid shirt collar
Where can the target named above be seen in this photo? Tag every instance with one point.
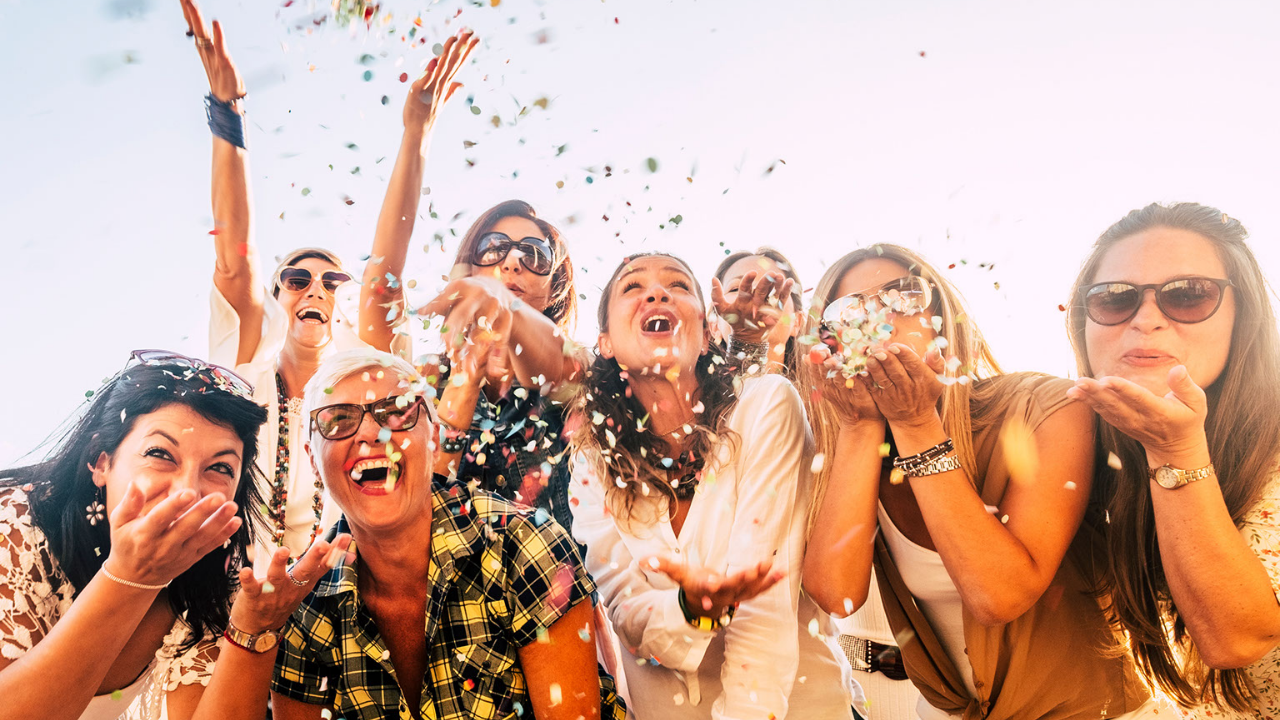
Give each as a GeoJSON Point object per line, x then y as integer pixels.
{"type": "Point", "coordinates": [455, 535]}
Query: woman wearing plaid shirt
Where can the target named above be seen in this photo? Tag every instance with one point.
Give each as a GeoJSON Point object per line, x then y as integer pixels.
{"type": "Point", "coordinates": [504, 599]}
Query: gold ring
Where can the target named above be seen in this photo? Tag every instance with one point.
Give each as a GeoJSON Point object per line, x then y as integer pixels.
{"type": "Point", "coordinates": [203, 43]}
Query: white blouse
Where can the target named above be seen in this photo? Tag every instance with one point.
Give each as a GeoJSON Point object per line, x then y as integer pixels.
{"type": "Point", "coordinates": [751, 505]}
{"type": "Point", "coordinates": [34, 594]}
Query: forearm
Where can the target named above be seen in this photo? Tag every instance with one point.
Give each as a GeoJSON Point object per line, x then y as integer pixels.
{"type": "Point", "coordinates": [58, 678]}
{"type": "Point", "coordinates": [240, 685]}
{"type": "Point", "coordinates": [232, 214]}
{"type": "Point", "coordinates": [538, 349]}
{"type": "Point", "coordinates": [456, 410]}
{"type": "Point", "coordinates": [837, 560]}
{"type": "Point", "coordinates": [391, 239]}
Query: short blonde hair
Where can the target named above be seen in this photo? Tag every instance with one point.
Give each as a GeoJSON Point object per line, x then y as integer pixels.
{"type": "Point", "coordinates": [349, 362]}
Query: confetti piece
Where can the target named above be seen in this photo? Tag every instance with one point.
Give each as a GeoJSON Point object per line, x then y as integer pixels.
{"type": "Point", "coordinates": [1020, 452]}
{"type": "Point", "coordinates": [556, 694]}
{"type": "Point", "coordinates": [678, 699]}
{"type": "Point", "coordinates": [1113, 461]}
{"type": "Point", "coordinates": [813, 627]}
{"type": "Point", "coordinates": [818, 461]}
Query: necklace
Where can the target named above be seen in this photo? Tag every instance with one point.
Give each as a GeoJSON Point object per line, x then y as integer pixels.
{"type": "Point", "coordinates": [288, 407]}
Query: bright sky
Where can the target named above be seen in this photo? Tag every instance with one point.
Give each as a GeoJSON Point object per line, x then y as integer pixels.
{"type": "Point", "coordinates": [996, 132]}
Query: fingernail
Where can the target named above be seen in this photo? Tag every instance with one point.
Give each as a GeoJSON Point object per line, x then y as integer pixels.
{"type": "Point", "coordinates": [895, 349]}
{"type": "Point", "coordinates": [881, 356]}
{"type": "Point", "coordinates": [187, 495]}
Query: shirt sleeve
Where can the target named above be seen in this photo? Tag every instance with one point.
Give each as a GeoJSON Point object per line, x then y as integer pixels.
{"type": "Point", "coordinates": [300, 672]}
{"type": "Point", "coordinates": [641, 604]}
{"type": "Point", "coordinates": [1261, 529]}
{"type": "Point", "coordinates": [762, 650]}
{"type": "Point", "coordinates": [224, 329]}
{"type": "Point", "coordinates": [32, 595]}
{"type": "Point", "coordinates": [545, 577]}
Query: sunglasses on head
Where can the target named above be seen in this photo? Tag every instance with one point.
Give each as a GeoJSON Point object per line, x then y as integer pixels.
{"type": "Point", "coordinates": [218, 376]}
{"type": "Point", "coordinates": [298, 279]}
{"type": "Point", "coordinates": [906, 295]}
{"type": "Point", "coordinates": [535, 253]}
{"type": "Point", "coordinates": [336, 422]}
{"type": "Point", "coordinates": [1185, 300]}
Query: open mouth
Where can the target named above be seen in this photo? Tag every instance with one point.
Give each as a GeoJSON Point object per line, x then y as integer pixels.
{"type": "Point", "coordinates": [658, 323]}
{"type": "Point", "coordinates": [312, 316]}
{"type": "Point", "coordinates": [375, 476]}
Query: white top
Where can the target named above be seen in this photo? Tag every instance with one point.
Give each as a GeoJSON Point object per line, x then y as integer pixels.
{"type": "Point", "coordinates": [260, 371]}
{"type": "Point", "coordinates": [749, 506]}
{"type": "Point", "coordinates": [34, 594]}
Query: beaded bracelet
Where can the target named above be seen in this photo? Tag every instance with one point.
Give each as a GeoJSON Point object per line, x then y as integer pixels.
{"type": "Point", "coordinates": [224, 121]}
{"type": "Point", "coordinates": [130, 583]}
{"type": "Point", "coordinates": [452, 440]}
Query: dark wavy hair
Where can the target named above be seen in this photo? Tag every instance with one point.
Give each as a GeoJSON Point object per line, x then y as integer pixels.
{"type": "Point", "coordinates": [60, 487]}
{"type": "Point", "coordinates": [1243, 430]}
{"type": "Point", "coordinates": [797, 292]}
{"type": "Point", "coordinates": [562, 306]}
{"type": "Point", "coordinates": [622, 445]}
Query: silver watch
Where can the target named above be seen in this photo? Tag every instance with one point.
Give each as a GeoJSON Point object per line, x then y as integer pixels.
{"type": "Point", "coordinates": [1170, 477]}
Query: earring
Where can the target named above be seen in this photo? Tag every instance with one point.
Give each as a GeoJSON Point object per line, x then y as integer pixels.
{"type": "Point", "coordinates": [97, 512]}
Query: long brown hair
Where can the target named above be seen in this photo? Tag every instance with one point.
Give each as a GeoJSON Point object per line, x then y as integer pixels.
{"type": "Point", "coordinates": [797, 291]}
{"type": "Point", "coordinates": [562, 306]}
{"type": "Point", "coordinates": [1243, 430]}
{"type": "Point", "coordinates": [965, 407]}
{"type": "Point", "coordinates": [613, 431]}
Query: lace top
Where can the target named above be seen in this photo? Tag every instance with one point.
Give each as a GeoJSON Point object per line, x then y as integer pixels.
{"type": "Point", "coordinates": [34, 595]}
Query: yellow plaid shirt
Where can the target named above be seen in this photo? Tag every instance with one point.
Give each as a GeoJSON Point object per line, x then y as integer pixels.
{"type": "Point", "coordinates": [499, 578]}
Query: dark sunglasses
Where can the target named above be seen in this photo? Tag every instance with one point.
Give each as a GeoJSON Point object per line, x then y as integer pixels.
{"type": "Point", "coordinates": [298, 279]}
{"type": "Point", "coordinates": [336, 422]}
{"type": "Point", "coordinates": [218, 376]}
{"type": "Point", "coordinates": [535, 253]}
{"type": "Point", "coordinates": [1185, 300]}
{"type": "Point", "coordinates": [906, 295]}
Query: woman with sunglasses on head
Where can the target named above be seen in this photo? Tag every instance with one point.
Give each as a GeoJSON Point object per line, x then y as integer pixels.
{"type": "Point", "coordinates": [119, 551]}
{"type": "Point", "coordinates": [976, 482]}
{"type": "Point", "coordinates": [1176, 341]}
{"type": "Point", "coordinates": [276, 339]}
{"type": "Point", "coordinates": [691, 499]}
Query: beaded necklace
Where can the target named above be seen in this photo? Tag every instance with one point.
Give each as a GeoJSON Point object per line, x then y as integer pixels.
{"type": "Point", "coordinates": [279, 488]}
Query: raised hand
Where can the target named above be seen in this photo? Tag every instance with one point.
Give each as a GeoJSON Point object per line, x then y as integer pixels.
{"type": "Point", "coordinates": [477, 315]}
{"type": "Point", "coordinates": [903, 385]}
{"type": "Point", "coordinates": [1168, 427]}
{"type": "Point", "coordinates": [710, 594]}
{"type": "Point", "coordinates": [751, 313]}
{"type": "Point", "coordinates": [153, 548]}
{"type": "Point", "coordinates": [224, 80]}
{"type": "Point", "coordinates": [430, 92]}
{"type": "Point", "coordinates": [266, 604]}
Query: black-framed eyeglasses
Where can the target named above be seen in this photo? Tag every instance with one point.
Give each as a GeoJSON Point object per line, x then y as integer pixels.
{"type": "Point", "coordinates": [297, 279]}
{"type": "Point", "coordinates": [906, 295]}
{"type": "Point", "coordinates": [218, 376]}
{"type": "Point", "coordinates": [536, 254]}
{"type": "Point", "coordinates": [340, 421]}
{"type": "Point", "coordinates": [1183, 300]}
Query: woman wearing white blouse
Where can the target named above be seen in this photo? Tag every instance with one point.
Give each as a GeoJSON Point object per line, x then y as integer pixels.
{"type": "Point", "coordinates": [691, 499]}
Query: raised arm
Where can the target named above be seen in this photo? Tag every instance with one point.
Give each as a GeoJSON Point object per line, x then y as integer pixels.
{"type": "Point", "coordinates": [235, 273]}
{"type": "Point", "coordinates": [382, 291]}
{"type": "Point", "coordinates": [1002, 561]}
{"type": "Point", "coordinates": [1221, 588]}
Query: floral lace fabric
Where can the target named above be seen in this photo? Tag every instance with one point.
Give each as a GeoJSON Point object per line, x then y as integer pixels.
{"type": "Point", "coordinates": [35, 594]}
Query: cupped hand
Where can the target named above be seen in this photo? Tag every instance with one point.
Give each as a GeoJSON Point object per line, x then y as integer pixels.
{"type": "Point", "coordinates": [903, 385]}
{"type": "Point", "coordinates": [711, 594]}
{"type": "Point", "coordinates": [757, 305]}
{"type": "Point", "coordinates": [477, 312]}
{"type": "Point", "coordinates": [154, 547]}
{"type": "Point", "coordinates": [266, 604]}
{"type": "Point", "coordinates": [849, 398]}
{"type": "Point", "coordinates": [1168, 427]}
{"type": "Point", "coordinates": [429, 93]}
{"type": "Point", "coordinates": [224, 80]}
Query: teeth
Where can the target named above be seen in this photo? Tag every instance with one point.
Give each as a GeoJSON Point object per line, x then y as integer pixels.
{"type": "Point", "coordinates": [371, 463]}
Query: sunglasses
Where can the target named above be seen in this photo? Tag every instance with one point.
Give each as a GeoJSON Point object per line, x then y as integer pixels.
{"type": "Point", "coordinates": [535, 253]}
{"type": "Point", "coordinates": [1185, 300]}
{"type": "Point", "coordinates": [337, 422]}
{"type": "Point", "coordinates": [218, 376]}
{"type": "Point", "coordinates": [297, 279]}
{"type": "Point", "coordinates": [906, 295]}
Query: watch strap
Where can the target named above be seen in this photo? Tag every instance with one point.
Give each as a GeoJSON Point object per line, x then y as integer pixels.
{"type": "Point", "coordinates": [1184, 476]}
{"type": "Point", "coordinates": [249, 641]}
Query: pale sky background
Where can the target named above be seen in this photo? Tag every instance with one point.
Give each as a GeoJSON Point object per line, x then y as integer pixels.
{"type": "Point", "coordinates": [1023, 131]}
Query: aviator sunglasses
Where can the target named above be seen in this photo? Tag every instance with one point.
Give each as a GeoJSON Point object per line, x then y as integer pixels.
{"type": "Point", "coordinates": [907, 295]}
{"type": "Point", "coordinates": [218, 376]}
{"type": "Point", "coordinates": [1184, 300]}
{"type": "Point", "coordinates": [298, 279]}
{"type": "Point", "coordinates": [337, 422]}
{"type": "Point", "coordinates": [535, 253]}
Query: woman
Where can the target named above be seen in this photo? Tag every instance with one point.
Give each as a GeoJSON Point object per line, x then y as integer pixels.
{"type": "Point", "coordinates": [119, 552]}
{"type": "Point", "coordinates": [772, 342]}
{"type": "Point", "coordinates": [275, 339]}
{"type": "Point", "coordinates": [1185, 381]}
{"type": "Point", "coordinates": [691, 502]}
{"type": "Point", "coordinates": [977, 484]}
{"type": "Point", "coordinates": [506, 601]}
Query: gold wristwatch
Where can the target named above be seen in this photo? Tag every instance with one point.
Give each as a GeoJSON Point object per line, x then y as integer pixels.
{"type": "Point", "coordinates": [259, 643]}
{"type": "Point", "coordinates": [1170, 477]}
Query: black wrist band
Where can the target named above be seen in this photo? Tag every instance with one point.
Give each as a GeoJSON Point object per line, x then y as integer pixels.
{"type": "Point", "coordinates": [224, 121]}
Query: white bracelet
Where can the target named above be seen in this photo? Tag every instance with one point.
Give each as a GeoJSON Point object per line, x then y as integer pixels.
{"type": "Point", "coordinates": [130, 583]}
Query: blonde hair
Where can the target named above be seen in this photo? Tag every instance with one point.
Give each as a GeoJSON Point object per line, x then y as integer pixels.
{"type": "Point", "coordinates": [296, 256]}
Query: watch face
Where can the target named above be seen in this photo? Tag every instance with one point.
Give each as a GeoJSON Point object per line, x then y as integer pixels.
{"type": "Point", "coordinates": [1167, 477]}
{"type": "Point", "coordinates": [265, 642]}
